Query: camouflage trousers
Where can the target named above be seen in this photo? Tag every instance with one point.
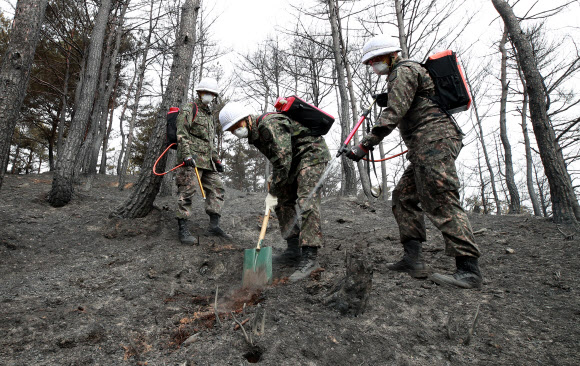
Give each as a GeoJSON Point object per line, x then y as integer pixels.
{"type": "Point", "coordinates": [430, 185]}
{"type": "Point", "coordinates": [298, 191]}
{"type": "Point", "coordinates": [187, 185]}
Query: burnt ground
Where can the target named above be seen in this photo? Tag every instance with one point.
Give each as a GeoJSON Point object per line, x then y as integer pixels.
{"type": "Point", "coordinates": [78, 288]}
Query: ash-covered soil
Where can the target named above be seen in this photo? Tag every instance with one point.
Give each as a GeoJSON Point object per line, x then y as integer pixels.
{"type": "Point", "coordinates": [78, 288]}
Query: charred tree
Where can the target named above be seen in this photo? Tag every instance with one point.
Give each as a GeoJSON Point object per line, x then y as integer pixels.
{"type": "Point", "coordinates": [135, 108]}
{"type": "Point", "coordinates": [104, 102]}
{"type": "Point", "coordinates": [565, 207]}
{"type": "Point", "coordinates": [121, 120]}
{"type": "Point", "coordinates": [347, 165]}
{"type": "Point", "coordinates": [107, 83]}
{"type": "Point", "coordinates": [140, 202]}
{"type": "Point", "coordinates": [529, 160]}
{"type": "Point", "coordinates": [484, 151]}
{"type": "Point", "coordinates": [62, 182]}
{"type": "Point", "coordinates": [401, 28]}
{"type": "Point", "coordinates": [361, 165]}
{"type": "Point", "coordinates": [514, 205]}
{"type": "Point", "coordinates": [350, 295]}
{"type": "Point", "coordinates": [15, 70]}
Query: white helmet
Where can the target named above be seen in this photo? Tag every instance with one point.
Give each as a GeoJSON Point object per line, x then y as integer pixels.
{"type": "Point", "coordinates": [232, 113]}
{"type": "Point", "coordinates": [379, 45]}
{"type": "Point", "coordinates": [208, 85]}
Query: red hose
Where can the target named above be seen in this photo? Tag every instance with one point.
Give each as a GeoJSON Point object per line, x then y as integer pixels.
{"type": "Point", "coordinates": [159, 158]}
{"type": "Point", "coordinates": [390, 157]}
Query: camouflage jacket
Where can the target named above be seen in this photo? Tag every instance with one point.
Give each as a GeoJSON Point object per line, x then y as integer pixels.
{"type": "Point", "coordinates": [288, 146]}
{"type": "Point", "coordinates": [419, 119]}
{"type": "Point", "coordinates": [196, 137]}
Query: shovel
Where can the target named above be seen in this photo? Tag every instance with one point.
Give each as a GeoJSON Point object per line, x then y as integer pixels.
{"type": "Point", "coordinates": [258, 261]}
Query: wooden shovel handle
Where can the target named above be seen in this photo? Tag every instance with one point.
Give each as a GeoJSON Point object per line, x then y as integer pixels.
{"type": "Point", "coordinates": [263, 231]}
{"type": "Point", "coordinates": [199, 181]}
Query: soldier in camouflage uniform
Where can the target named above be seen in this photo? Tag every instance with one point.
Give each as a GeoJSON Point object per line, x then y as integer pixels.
{"type": "Point", "coordinates": [195, 147]}
{"type": "Point", "coordinates": [299, 160]}
{"type": "Point", "coordinates": [429, 184]}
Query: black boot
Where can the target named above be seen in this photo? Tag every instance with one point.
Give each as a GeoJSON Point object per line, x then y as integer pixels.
{"type": "Point", "coordinates": [184, 236]}
{"type": "Point", "coordinates": [308, 263]}
{"type": "Point", "coordinates": [291, 255]}
{"type": "Point", "coordinates": [214, 227]}
{"type": "Point", "coordinates": [412, 261]}
{"type": "Point", "coordinates": [467, 274]}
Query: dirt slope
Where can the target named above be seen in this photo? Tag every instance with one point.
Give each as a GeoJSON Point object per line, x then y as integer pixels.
{"type": "Point", "coordinates": [81, 289]}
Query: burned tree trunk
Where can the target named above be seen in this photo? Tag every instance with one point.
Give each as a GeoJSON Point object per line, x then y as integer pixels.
{"type": "Point", "coordinates": [347, 165]}
{"type": "Point", "coordinates": [565, 206]}
{"type": "Point", "coordinates": [401, 28]}
{"type": "Point", "coordinates": [62, 182]}
{"type": "Point", "coordinates": [485, 154]}
{"type": "Point", "coordinates": [514, 205]}
{"type": "Point", "coordinates": [15, 70]}
{"type": "Point", "coordinates": [528, 149]}
{"type": "Point", "coordinates": [124, 163]}
{"type": "Point", "coordinates": [140, 203]}
{"type": "Point", "coordinates": [351, 294]}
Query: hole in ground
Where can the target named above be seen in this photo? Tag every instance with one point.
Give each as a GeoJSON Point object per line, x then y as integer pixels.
{"type": "Point", "coordinates": [254, 355]}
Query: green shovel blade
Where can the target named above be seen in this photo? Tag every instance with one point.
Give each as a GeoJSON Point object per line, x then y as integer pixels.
{"type": "Point", "coordinates": [257, 267]}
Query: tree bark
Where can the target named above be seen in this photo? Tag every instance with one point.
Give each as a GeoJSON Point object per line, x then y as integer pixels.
{"type": "Point", "coordinates": [401, 28]}
{"type": "Point", "coordinates": [121, 120]}
{"type": "Point", "coordinates": [109, 76]}
{"type": "Point", "coordinates": [565, 207]}
{"type": "Point", "coordinates": [543, 199]}
{"type": "Point", "coordinates": [347, 165]}
{"type": "Point", "coordinates": [140, 203]}
{"type": "Point", "coordinates": [529, 160]}
{"type": "Point", "coordinates": [62, 183]}
{"type": "Point", "coordinates": [87, 162]}
{"type": "Point", "coordinates": [64, 107]}
{"type": "Point", "coordinates": [514, 205]}
{"type": "Point", "coordinates": [113, 81]}
{"type": "Point", "coordinates": [103, 165]}
{"type": "Point", "coordinates": [482, 180]}
{"type": "Point", "coordinates": [361, 165]}
{"type": "Point", "coordinates": [15, 70]}
{"type": "Point", "coordinates": [350, 295]}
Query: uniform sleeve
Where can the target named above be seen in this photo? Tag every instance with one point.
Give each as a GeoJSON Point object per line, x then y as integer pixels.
{"type": "Point", "coordinates": [277, 137]}
{"type": "Point", "coordinates": [403, 84]}
{"type": "Point", "coordinates": [183, 137]}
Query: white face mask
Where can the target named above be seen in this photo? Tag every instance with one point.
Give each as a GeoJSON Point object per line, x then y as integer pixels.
{"type": "Point", "coordinates": [207, 98]}
{"type": "Point", "coordinates": [381, 68]}
{"type": "Point", "coordinates": [241, 132]}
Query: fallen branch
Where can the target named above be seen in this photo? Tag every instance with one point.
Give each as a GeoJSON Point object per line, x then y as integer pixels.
{"type": "Point", "coordinates": [236, 327]}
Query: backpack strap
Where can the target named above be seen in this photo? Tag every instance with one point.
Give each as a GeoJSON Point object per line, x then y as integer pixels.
{"type": "Point", "coordinates": [262, 116]}
{"type": "Point", "coordinates": [406, 62]}
{"type": "Point", "coordinates": [193, 105]}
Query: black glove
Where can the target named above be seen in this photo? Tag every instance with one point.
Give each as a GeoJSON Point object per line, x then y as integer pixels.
{"type": "Point", "coordinates": [357, 153]}
{"type": "Point", "coordinates": [189, 161]}
{"type": "Point", "coordinates": [219, 166]}
{"type": "Point", "coordinates": [382, 99]}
